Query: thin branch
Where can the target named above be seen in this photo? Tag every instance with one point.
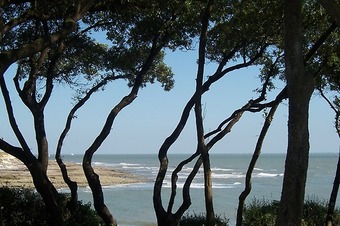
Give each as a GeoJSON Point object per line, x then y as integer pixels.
{"type": "Point", "coordinates": [26, 50]}
{"type": "Point", "coordinates": [162, 154]}
{"type": "Point", "coordinates": [319, 42]}
{"type": "Point", "coordinates": [72, 184]}
{"type": "Point", "coordinates": [10, 113]}
{"type": "Point", "coordinates": [174, 177]}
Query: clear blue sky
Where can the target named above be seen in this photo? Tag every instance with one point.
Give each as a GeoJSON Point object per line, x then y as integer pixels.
{"type": "Point", "coordinates": [143, 126]}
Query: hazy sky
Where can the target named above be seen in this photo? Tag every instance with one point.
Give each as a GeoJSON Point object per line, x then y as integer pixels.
{"type": "Point", "coordinates": [143, 126]}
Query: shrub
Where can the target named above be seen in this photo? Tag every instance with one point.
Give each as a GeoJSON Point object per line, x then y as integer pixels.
{"type": "Point", "coordinates": [260, 212]}
{"type": "Point", "coordinates": [23, 206]}
{"type": "Point", "coordinates": [264, 212]}
{"type": "Point", "coordinates": [315, 212]}
{"type": "Point", "coordinates": [199, 220]}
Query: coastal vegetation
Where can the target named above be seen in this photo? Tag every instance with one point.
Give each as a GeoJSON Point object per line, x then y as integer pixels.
{"type": "Point", "coordinates": [24, 206]}
{"type": "Point", "coordinates": [54, 44]}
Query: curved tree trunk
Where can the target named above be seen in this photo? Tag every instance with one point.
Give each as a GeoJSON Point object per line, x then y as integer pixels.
{"type": "Point", "coordinates": [208, 191]}
{"type": "Point", "coordinates": [41, 182]}
{"type": "Point", "coordinates": [91, 176]}
{"type": "Point", "coordinates": [252, 164]}
{"type": "Point", "coordinates": [98, 196]}
{"type": "Point", "coordinates": [48, 192]}
{"type": "Point", "coordinates": [334, 194]}
{"type": "Point", "coordinates": [73, 184]}
{"type": "Point", "coordinates": [335, 189]}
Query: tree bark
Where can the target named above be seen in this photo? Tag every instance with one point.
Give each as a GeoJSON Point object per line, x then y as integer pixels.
{"type": "Point", "coordinates": [48, 193]}
{"type": "Point", "coordinates": [36, 168]}
{"type": "Point", "coordinates": [252, 164]}
{"type": "Point", "coordinates": [73, 184]}
{"type": "Point", "coordinates": [336, 183]}
{"type": "Point", "coordinates": [97, 192]}
{"type": "Point", "coordinates": [93, 179]}
{"type": "Point", "coordinates": [91, 176]}
{"type": "Point", "coordinates": [300, 86]}
{"type": "Point", "coordinates": [334, 194]}
{"type": "Point", "coordinates": [208, 192]}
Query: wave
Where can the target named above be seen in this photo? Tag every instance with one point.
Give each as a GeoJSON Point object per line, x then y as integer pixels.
{"type": "Point", "coordinates": [103, 164]}
{"type": "Point", "coordinates": [228, 175]}
{"type": "Point", "coordinates": [221, 169]}
{"type": "Point", "coordinates": [269, 175]}
{"type": "Point", "coordinates": [128, 164]}
{"type": "Point", "coordinates": [201, 185]}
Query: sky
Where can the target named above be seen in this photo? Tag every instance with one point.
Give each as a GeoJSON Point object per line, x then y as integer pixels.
{"type": "Point", "coordinates": [142, 127]}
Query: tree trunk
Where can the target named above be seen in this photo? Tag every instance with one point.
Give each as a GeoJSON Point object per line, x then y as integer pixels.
{"type": "Point", "coordinates": [332, 199]}
{"type": "Point", "coordinates": [42, 144]}
{"type": "Point", "coordinates": [208, 191]}
{"type": "Point", "coordinates": [48, 193]}
{"type": "Point", "coordinates": [97, 192]}
{"type": "Point", "coordinates": [335, 189]}
{"type": "Point", "coordinates": [210, 215]}
{"type": "Point", "coordinates": [299, 88]}
{"type": "Point", "coordinates": [252, 164]}
{"type": "Point", "coordinates": [73, 186]}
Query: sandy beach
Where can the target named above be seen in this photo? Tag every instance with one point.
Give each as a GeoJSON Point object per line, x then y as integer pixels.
{"type": "Point", "coordinates": [13, 173]}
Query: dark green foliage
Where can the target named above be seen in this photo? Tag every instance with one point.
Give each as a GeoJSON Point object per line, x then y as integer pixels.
{"type": "Point", "coordinates": [199, 219]}
{"type": "Point", "coordinates": [84, 216]}
{"type": "Point", "coordinates": [263, 212]}
{"type": "Point", "coordinates": [24, 207]}
{"type": "Point", "coordinates": [315, 211]}
{"type": "Point", "coordinates": [260, 212]}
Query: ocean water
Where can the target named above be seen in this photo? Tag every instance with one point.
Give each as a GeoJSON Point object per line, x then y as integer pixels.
{"type": "Point", "coordinates": [131, 204]}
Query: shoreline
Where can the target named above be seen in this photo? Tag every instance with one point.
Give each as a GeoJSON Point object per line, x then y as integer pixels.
{"type": "Point", "coordinates": [13, 173]}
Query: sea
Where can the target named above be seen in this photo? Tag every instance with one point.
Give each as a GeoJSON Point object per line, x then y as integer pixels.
{"type": "Point", "coordinates": [131, 204]}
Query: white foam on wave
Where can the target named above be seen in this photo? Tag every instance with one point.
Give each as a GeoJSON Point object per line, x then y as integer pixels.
{"type": "Point", "coordinates": [132, 185]}
{"type": "Point", "coordinates": [268, 175]}
{"type": "Point", "coordinates": [197, 185]}
{"type": "Point", "coordinates": [227, 175]}
{"type": "Point", "coordinates": [103, 164]}
{"type": "Point", "coordinates": [128, 164]}
{"type": "Point", "coordinates": [221, 169]}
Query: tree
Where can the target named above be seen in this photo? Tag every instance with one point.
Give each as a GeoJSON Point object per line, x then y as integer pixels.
{"type": "Point", "coordinates": [333, 196]}
{"type": "Point", "coordinates": [330, 83]}
{"type": "Point", "coordinates": [16, 22]}
{"type": "Point", "coordinates": [234, 34]}
{"type": "Point", "coordinates": [226, 43]}
{"type": "Point", "coordinates": [300, 85]}
{"type": "Point", "coordinates": [61, 50]}
{"type": "Point", "coordinates": [201, 146]}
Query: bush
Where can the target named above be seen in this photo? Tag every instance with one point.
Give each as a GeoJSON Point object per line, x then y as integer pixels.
{"type": "Point", "coordinates": [199, 220]}
{"type": "Point", "coordinates": [315, 212]}
{"type": "Point", "coordinates": [264, 212]}
{"type": "Point", "coordinates": [260, 212]}
{"type": "Point", "coordinates": [22, 206]}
